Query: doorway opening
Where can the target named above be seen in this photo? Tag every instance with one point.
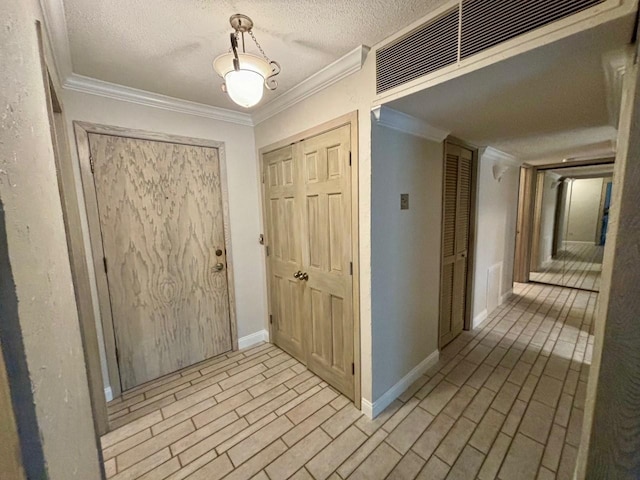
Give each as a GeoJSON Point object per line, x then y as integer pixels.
{"type": "Point", "coordinates": [570, 220]}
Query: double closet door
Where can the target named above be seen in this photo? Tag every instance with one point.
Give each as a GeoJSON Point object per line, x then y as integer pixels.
{"type": "Point", "coordinates": [161, 225]}
{"type": "Point", "coordinates": [307, 189]}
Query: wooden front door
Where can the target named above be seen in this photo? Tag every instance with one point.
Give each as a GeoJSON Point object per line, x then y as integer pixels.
{"type": "Point", "coordinates": [456, 226]}
{"type": "Point", "coordinates": [308, 195]}
{"type": "Point", "coordinates": [160, 211]}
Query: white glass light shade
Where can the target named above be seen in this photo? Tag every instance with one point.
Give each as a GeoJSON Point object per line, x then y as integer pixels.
{"type": "Point", "coordinates": [245, 86]}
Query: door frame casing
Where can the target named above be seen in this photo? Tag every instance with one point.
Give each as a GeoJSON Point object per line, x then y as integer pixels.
{"type": "Point", "coordinates": [352, 120]}
{"type": "Point", "coordinates": [471, 254]}
{"type": "Point", "coordinates": [82, 131]}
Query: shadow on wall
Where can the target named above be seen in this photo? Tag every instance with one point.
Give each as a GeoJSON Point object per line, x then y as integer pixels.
{"type": "Point", "coordinates": [16, 364]}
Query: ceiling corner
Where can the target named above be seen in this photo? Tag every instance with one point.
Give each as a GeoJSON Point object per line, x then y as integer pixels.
{"type": "Point", "coordinates": [343, 67]}
{"type": "Point", "coordinates": [400, 121]}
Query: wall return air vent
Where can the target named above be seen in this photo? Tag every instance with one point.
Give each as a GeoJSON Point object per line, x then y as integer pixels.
{"type": "Point", "coordinates": [469, 28]}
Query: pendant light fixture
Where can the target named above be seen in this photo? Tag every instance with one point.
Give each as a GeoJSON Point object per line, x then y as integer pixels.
{"type": "Point", "coordinates": [245, 75]}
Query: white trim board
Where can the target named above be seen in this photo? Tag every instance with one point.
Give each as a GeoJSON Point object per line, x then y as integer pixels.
{"type": "Point", "coordinates": [506, 296]}
{"type": "Point", "coordinates": [108, 394]}
{"type": "Point", "coordinates": [372, 410]}
{"type": "Point", "coordinates": [253, 338]}
{"type": "Point", "coordinates": [402, 122]}
{"type": "Point", "coordinates": [332, 73]}
{"type": "Point", "coordinates": [93, 86]}
{"type": "Point", "coordinates": [478, 319]}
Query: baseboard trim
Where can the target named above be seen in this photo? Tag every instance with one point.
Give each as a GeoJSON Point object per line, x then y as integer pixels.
{"type": "Point", "coordinates": [108, 394]}
{"type": "Point", "coordinates": [478, 319]}
{"type": "Point", "coordinates": [253, 338]}
{"type": "Point", "coordinates": [506, 296]}
{"type": "Point", "coordinates": [372, 410]}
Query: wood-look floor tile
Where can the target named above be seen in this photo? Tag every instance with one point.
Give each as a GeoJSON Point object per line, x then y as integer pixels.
{"type": "Point", "coordinates": [258, 440]}
{"type": "Point", "coordinates": [378, 464]}
{"type": "Point", "coordinates": [408, 431]}
{"type": "Point", "coordinates": [407, 468]}
{"type": "Point", "coordinates": [159, 442]}
{"type": "Point", "coordinates": [295, 457]}
{"type": "Point", "coordinates": [258, 461]}
{"type": "Point", "coordinates": [335, 453]}
{"type": "Point", "coordinates": [307, 425]}
{"type": "Point", "coordinates": [339, 422]}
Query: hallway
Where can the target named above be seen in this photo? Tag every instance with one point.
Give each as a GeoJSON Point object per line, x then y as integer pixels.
{"type": "Point", "coordinates": [505, 401]}
{"type": "Point", "coordinates": [576, 266]}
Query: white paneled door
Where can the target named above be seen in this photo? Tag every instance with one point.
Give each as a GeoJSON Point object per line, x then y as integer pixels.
{"type": "Point", "coordinates": [308, 210]}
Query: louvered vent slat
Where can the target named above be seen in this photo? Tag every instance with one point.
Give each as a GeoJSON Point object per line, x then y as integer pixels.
{"type": "Point", "coordinates": [429, 48]}
{"type": "Point", "coordinates": [486, 23]}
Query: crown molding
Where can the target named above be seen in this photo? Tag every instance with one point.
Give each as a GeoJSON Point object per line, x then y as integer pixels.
{"type": "Point", "coordinates": [92, 86]}
{"type": "Point", "coordinates": [332, 73]}
{"type": "Point", "coordinates": [56, 27]}
{"type": "Point", "coordinates": [490, 153]}
{"type": "Point", "coordinates": [615, 65]}
{"type": "Point", "coordinates": [390, 118]}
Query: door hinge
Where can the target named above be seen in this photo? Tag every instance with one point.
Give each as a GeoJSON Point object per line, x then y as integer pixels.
{"type": "Point", "coordinates": [117, 356]}
{"type": "Point", "coordinates": [353, 368]}
{"type": "Point", "coordinates": [267, 247]}
{"type": "Point", "coordinates": [104, 261]}
{"type": "Point", "coordinates": [271, 319]}
{"type": "Point", "coordinates": [91, 164]}
{"type": "Point", "coordinates": [350, 268]}
{"type": "Point", "coordinates": [349, 158]}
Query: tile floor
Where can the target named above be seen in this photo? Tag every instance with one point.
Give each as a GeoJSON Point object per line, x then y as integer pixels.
{"type": "Point", "coordinates": [576, 266]}
{"type": "Point", "coordinates": [505, 401]}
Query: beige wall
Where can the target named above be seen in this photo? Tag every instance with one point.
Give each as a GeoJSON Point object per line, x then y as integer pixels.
{"type": "Point", "coordinates": [585, 194]}
{"type": "Point", "coordinates": [405, 253]}
{"type": "Point", "coordinates": [42, 332]}
{"type": "Point", "coordinates": [242, 174]}
{"type": "Point", "coordinates": [496, 215]}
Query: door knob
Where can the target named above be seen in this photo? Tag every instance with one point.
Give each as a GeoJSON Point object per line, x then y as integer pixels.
{"type": "Point", "coordinates": [218, 267]}
{"type": "Point", "coordinates": [298, 274]}
{"type": "Point", "coordinates": [304, 276]}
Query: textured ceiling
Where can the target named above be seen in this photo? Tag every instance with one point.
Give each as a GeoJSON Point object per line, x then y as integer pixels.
{"type": "Point", "coordinates": [541, 106]}
{"type": "Point", "coordinates": [167, 46]}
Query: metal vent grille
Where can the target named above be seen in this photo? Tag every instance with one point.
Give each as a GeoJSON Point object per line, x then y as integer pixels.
{"type": "Point", "coordinates": [422, 51]}
{"type": "Point", "coordinates": [486, 23]}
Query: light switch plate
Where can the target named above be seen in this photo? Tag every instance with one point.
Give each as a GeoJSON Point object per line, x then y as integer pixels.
{"type": "Point", "coordinates": [404, 201]}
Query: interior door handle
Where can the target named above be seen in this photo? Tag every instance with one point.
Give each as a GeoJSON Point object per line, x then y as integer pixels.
{"type": "Point", "coordinates": [218, 267]}
{"type": "Point", "coordinates": [304, 276]}
{"type": "Point", "coordinates": [298, 274]}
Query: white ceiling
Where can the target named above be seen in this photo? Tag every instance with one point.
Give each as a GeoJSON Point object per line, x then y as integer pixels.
{"type": "Point", "coordinates": [543, 106]}
{"type": "Point", "coordinates": [167, 46]}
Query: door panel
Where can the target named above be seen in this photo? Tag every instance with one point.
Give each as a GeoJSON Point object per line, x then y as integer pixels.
{"type": "Point", "coordinates": [283, 232]}
{"type": "Point", "coordinates": [456, 210]}
{"type": "Point", "coordinates": [160, 209]}
{"type": "Point", "coordinates": [326, 256]}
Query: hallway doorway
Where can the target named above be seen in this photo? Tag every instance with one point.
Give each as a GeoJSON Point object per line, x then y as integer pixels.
{"type": "Point", "coordinates": [569, 222]}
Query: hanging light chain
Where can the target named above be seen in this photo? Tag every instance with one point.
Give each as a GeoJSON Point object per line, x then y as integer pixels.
{"type": "Point", "coordinates": [259, 47]}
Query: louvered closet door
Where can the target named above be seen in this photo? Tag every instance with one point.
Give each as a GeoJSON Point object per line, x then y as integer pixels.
{"type": "Point", "coordinates": [326, 256]}
{"type": "Point", "coordinates": [282, 193]}
{"type": "Point", "coordinates": [160, 210]}
{"type": "Point", "coordinates": [458, 165]}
